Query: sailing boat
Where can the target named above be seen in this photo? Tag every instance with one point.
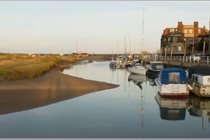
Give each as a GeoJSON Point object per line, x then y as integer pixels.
{"type": "Point", "coordinates": [139, 69]}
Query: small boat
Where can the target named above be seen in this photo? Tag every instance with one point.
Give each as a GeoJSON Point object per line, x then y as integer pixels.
{"type": "Point", "coordinates": [112, 64]}
{"type": "Point", "coordinates": [154, 68]}
{"type": "Point", "coordinates": [172, 109]}
{"type": "Point", "coordinates": [121, 62]}
{"type": "Point", "coordinates": [199, 80]}
{"type": "Point", "coordinates": [129, 63]}
{"type": "Point", "coordinates": [140, 70]}
{"type": "Point", "coordinates": [171, 83]}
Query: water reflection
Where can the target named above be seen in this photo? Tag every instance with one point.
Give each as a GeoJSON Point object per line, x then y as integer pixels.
{"type": "Point", "coordinates": [19, 100]}
{"type": "Point", "coordinates": [172, 109]}
{"type": "Point", "coordinates": [51, 88]}
{"type": "Point", "coordinates": [137, 79]}
{"type": "Point", "coordinates": [128, 111]}
{"type": "Point", "coordinates": [200, 107]}
{"type": "Point", "coordinates": [175, 109]}
{"type": "Point", "coordinates": [151, 82]}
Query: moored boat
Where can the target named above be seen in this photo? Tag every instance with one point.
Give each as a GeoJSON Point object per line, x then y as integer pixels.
{"type": "Point", "coordinates": [199, 80]}
{"type": "Point", "coordinates": [113, 64]}
{"type": "Point", "coordinates": [138, 69]}
{"type": "Point", "coordinates": [171, 83]}
{"type": "Point", "coordinates": [154, 68]}
{"type": "Point", "coordinates": [121, 62]}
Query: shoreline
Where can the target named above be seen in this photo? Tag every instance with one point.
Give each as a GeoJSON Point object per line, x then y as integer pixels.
{"type": "Point", "coordinates": [51, 87]}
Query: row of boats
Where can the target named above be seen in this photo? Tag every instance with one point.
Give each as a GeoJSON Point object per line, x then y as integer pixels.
{"type": "Point", "coordinates": [175, 108]}
{"type": "Point", "coordinates": [178, 83]}
{"type": "Point", "coordinates": [172, 108]}
{"type": "Point", "coordinates": [174, 82]}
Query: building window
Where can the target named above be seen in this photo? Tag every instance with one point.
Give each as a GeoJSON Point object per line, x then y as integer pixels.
{"type": "Point", "coordinates": [190, 31]}
{"type": "Point", "coordinates": [179, 48]}
{"type": "Point", "coordinates": [179, 39]}
{"type": "Point", "coordinates": [164, 40]}
{"type": "Point", "coordinates": [168, 39]}
{"type": "Point", "coordinates": [199, 31]}
{"type": "Point", "coordinates": [174, 77]}
{"type": "Point", "coordinates": [171, 30]}
{"type": "Point", "coordinates": [174, 39]}
{"type": "Point", "coordinates": [185, 31]}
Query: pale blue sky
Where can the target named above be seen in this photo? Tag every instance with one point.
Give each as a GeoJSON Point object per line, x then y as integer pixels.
{"type": "Point", "coordinates": [97, 26]}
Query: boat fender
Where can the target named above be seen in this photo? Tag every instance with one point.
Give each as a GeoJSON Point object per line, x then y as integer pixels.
{"type": "Point", "coordinates": [189, 87]}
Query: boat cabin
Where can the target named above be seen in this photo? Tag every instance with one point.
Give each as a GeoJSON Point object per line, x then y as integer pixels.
{"type": "Point", "coordinates": [173, 76]}
{"type": "Point", "coordinates": [199, 80]}
{"type": "Point", "coordinates": [200, 74]}
{"type": "Point", "coordinates": [171, 83]}
{"type": "Point", "coordinates": [157, 65]}
{"type": "Point", "coordinates": [154, 68]}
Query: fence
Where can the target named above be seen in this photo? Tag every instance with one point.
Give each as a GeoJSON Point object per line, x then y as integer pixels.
{"type": "Point", "coordinates": [189, 59]}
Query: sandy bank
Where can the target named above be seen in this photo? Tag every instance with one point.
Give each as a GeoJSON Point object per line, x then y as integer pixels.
{"type": "Point", "coordinates": [50, 88]}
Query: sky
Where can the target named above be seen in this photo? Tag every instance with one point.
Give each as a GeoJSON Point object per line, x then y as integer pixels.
{"type": "Point", "coordinates": [93, 26]}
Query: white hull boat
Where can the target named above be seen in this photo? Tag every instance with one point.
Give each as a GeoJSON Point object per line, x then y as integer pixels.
{"type": "Point", "coordinates": [141, 70]}
{"type": "Point", "coordinates": [199, 80]}
{"type": "Point", "coordinates": [172, 83]}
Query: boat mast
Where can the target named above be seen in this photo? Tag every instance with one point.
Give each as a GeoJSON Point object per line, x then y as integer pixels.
{"type": "Point", "coordinates": [117, 45]}
{"type": "Point", "coordinates": [125, 48]}
{"type": "Point", "coordinates": [142, 34]}
{"type": "Point", "coordinates": [129, 44]}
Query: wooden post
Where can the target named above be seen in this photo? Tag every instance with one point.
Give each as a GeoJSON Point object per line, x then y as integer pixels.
{"type": "Point", "coordinates": [193, 46]}
{"type": "Point", "coordinates": [172, 49]}
{"type": "Point", "coordinates": [204, 47]}
{"type": "Point", "coordinates": [185, 51]}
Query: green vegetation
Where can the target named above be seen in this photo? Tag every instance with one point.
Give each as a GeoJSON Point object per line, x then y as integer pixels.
{"type": "Point", "coordinates": [22, 66]}
{"type": "Point", "coordinates": [29, 71]}
{"type": "Point", "coordinates": [3, 72]}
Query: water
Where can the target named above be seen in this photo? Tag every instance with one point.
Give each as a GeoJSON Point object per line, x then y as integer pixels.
{"type": "Point", "coordinates": [128, 111]}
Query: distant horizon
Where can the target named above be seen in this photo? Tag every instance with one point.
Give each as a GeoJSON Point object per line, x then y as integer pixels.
{"type": "Point", "coordinates": [94, 27]}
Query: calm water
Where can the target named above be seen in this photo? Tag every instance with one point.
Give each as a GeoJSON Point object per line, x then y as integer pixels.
{"type": "Point", "coordinates": [128, 111]}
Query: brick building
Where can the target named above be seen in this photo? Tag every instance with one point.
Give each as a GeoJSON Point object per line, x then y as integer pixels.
{"type": "Point", "coordinates": [184, 39]}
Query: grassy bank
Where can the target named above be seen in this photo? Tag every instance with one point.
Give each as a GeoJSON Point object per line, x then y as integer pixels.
{"type": "Point", "coordinates": [15, 67]}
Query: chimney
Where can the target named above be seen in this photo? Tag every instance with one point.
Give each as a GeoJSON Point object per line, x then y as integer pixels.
{"type": "Point", "coordinates": [180, 27]}
{"type": "Point", "coordinates": [196, 28]}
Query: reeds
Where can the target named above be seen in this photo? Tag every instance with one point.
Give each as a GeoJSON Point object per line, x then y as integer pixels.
{"type": "Point", "coordinates": [16, 67]}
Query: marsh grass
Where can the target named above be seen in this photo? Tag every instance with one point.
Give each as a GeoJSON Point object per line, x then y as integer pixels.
{"type": "Point", "coordinates": [3, 72]}
{"type": "Point", "coordinates": [16, 67]}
